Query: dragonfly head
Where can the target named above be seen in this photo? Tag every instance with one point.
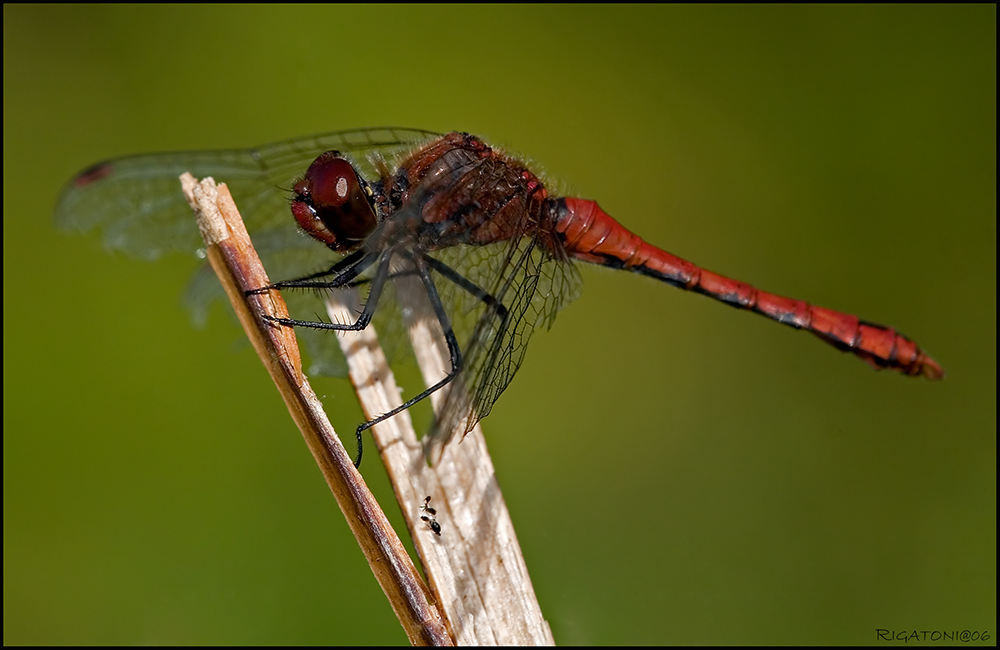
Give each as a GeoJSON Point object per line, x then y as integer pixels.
{"type": "Point", "coordinates": [331, 203]}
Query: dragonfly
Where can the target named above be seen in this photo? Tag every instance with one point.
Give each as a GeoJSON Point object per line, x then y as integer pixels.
{"type": "Point", "coordinates": [472, 227]}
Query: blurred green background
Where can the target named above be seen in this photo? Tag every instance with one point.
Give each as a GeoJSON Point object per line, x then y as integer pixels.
{"type": "Point", "coordinates": [678, 471]}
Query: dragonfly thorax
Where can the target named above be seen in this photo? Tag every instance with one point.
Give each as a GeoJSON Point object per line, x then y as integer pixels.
{"type": "Point", "coordinates": [466, 193]}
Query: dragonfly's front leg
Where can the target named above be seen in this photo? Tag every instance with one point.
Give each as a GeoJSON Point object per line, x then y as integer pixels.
{"type": "Point", "coordinates": [344, 279]}
{"type": "Point", "coordinates": [345, 271]}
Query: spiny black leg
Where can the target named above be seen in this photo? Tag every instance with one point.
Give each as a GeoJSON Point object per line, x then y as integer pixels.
{"type": "Point", "coordinates": [345, 270]}
{"type": "Point", "coordinates": [392, 276]}
{"type": "Point", "coordinates": [460, 280]}
{"type": "Point", "coordinates": [381, 274]}
{"type": "Point", "coordinates": [449, 337]}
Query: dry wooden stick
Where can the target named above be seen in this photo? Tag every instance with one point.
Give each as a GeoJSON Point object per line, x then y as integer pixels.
{"type": "Point", "coordinates": [474, 565]}
{"type": "Point", "coordinates": [238, 267]}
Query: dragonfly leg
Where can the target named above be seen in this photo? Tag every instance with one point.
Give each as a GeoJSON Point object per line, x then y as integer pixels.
{"type": "Point", "coordinates": [381, 274]}
{"type": "Point", "coordinates": [392, 276]}
{"type": "Point", "coordinates": [496, 318]}
{"type": "Point", "coordinates": [460, 280]}
{"type": "Point", "coordinates": [421, 263]}
{"type": "Point", "coordinates": [346, 270]}
{"type": "Point", "coordinates": [448, 273]}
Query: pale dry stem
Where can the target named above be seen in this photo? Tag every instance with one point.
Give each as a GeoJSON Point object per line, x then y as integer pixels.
{"type": "Point", "coordinates": [234, 260]}
{"type": "Point", "coordinates": [475, 567]}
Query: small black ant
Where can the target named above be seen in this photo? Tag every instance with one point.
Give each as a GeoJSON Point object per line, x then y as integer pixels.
{"type": "Point", "coordinates": [430, 521]}
{"type": "Point", "coordinates": [432, 524]}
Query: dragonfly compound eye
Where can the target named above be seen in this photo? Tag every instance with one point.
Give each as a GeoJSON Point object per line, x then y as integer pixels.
{"type": "Point", "coordinates": [330, 203]}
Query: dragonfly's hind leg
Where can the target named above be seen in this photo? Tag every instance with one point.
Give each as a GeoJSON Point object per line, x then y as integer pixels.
{"type": "Point", "coordinates": [496, 313]}
{"type": "Point", "coordinates": [449, 273]}
{"type": "Point", "coordinates": [421, 263]}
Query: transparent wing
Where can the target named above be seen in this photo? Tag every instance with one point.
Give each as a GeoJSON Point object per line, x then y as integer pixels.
{"type": "Point", "coordinates": [529, 286]}
{"type": "Point", "coordinates": [137, 206]}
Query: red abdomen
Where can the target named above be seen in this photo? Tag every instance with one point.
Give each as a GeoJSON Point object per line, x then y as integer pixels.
{"type": "Point", "coordinates": [590, 234]}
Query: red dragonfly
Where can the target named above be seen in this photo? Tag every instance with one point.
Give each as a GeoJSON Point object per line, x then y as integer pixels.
{"type": "Point", "coordinates": [490, 247]}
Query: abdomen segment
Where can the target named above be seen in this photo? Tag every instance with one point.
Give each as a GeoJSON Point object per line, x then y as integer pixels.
{"type": "Point", "coordinates": [591, 235]}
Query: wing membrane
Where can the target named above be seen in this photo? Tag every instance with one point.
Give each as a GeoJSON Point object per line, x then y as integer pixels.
{"type": "Point", "coordinates": [532, 287]}
{"type": "Point", "coordinates": [137, 206]}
